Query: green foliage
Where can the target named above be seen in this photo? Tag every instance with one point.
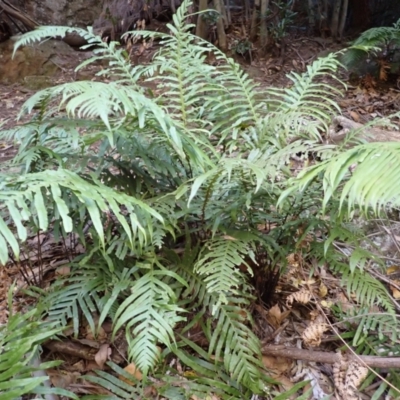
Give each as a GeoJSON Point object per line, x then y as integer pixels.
{"type": "Point", "coordinates": [362, 177]}
{"type": "Point", "coordinates": [380, 41]}
{"type": "Point", "coordinates": [20, 371]}
{"type": "Point", "coordinates": [167, 189]}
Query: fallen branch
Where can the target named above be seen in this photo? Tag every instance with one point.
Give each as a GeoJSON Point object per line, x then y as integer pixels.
{"type": "Point", "coordinates": [341, 126]}
{"type": "Point", "coordinates": [78, 350]}
{"type": "Point", "coordinates": [328, 357]}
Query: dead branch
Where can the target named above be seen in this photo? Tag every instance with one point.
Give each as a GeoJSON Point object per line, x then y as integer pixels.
{"type": "Point", "coordinates": [76, 349]}
{"type": "Point", "coordinates": [341, 126]}
{"type": "Point", "coordinates": [328, 357]}
{"type": "Point", "coordinates": [13, 11]}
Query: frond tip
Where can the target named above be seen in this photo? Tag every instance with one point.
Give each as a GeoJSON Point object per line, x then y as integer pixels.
{"type": "Point", "coordinates": [364, 173]}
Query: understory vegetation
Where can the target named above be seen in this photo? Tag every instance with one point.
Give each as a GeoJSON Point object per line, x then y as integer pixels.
{"type": "Point", "coordinates": [176, 179]}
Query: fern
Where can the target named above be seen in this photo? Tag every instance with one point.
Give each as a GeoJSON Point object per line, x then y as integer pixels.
{"type": "Point", "coordinates": [364, 174]}
{"type": "Point", "coordinates": [20, 341]}
{"type": "Point", "coordinates": [371, 42]}
{"type": "Point", "coordinates": [199, 167]}
{"type": "Point", "coordinates": [149, 316]}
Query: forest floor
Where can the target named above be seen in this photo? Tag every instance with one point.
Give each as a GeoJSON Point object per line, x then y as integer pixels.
{"type": "Point", "coordinates": [279, 325]}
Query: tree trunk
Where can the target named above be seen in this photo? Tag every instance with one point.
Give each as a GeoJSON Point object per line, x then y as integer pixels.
{"type": "Point", "coordinates": [311, 16]}
{"type": "Point", "coordinates": [254, 21]}
{"type": "Point", "coordinates": [323, 17]}
{"type": "Point", "coordinates": [222, 43]}
{"type": "Point", "coordinates": [263, 26]}
{"type": "Point", "coordinates": [343, 18]}
{"type": "Point", "coordinates": [335, 18]}
{"type": "Point", "coordinates": [201, 27]}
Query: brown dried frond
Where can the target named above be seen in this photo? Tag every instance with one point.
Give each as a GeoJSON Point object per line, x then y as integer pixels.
{"type": "Point", "coordinates": [356, 373]}
{"type": "Point", "coordinates": [303, 296]}
{"type": "Point", "coordinates": [368, 82]}
{"type": "Point", "coordinates": [348, 376]}
{"type": "Point", "coordinates": [312, 335]}
{"type": "Point", "coordinates": [384, 67]}
{"type": "Point", "coordinates": [339, 370]}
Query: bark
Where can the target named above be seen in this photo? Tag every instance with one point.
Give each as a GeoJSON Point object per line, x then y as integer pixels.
{"type": "Point", "coordinates": [294, 353]}
{"type": "Point", "coordinates": [341, 126]}
{"type": "Point", "coordinates": [343, 17]}
{"type": "Point", "coordinates": [254, 21]}
{"type": "Point", "coordinates": [201, 27]}
{"type": "Point", "coordinates": [311, 16]}
{"type": "Point", "coordinates": [222, 43]}
{"type": "Point", "coordinates": [14, 12]}
{"type": "Point", "coordinates": [263, 26]}
{"type": "Point", "coordinates": [335, 18]}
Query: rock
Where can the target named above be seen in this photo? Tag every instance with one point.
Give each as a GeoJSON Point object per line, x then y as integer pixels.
{"type": "Point", "coordinates": [44, 59]}
{"type": "Point", "coordinates": [37, 82]}
{"type": "Point", "coordinates": [79, 13]}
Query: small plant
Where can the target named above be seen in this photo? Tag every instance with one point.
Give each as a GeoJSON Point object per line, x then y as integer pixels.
{"type": "Point", "coordinates": [375, 52]}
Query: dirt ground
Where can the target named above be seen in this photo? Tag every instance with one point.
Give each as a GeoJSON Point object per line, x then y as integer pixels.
{"type": "Point", "coordinates": [363, 101]}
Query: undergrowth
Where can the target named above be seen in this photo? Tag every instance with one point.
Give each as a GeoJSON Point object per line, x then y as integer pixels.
{"type": "Point", "coordinates": [166, 191]}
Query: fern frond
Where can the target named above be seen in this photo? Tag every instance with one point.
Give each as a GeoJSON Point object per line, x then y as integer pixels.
{"type": "Point", "coordinates": [219, 262]}
{"type": "Point", "coordinates": [234, 342]}
{"type": "Point", "coordinates": [367, 290]}
{"type": "Point", "coordinates": [308, 95]}
{"type": "Point", "coordinates": [19, 194]}
{"type": "Point", "coordinates": [364, 173]}
{"type": "Point", "coordinates": [20, 339]}
{"type": "Point", "coordinates": [129, 388]}
{"type": "Point", "coordinates": [118, 65]}
{"type": "Point", "coordinates": [150, 313]}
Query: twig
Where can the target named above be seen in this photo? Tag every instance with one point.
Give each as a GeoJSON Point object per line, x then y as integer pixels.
{"type": "Point", "coordinates": [328, 357]}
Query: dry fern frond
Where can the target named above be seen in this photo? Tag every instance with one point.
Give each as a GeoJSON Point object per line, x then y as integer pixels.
{"type": "Point", "coordinates": [312, 335]}
{"type": "Point", "coordinates": [303, 296]}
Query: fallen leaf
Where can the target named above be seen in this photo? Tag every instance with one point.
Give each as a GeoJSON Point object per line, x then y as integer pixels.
{"type": "Point", "coordinates": [355, 116]}
{"type": "Point", "coordinates": [103, 354]}
{"type": "Point", "coordinates": [323, 290]}
{"type": "Point", "coordinates": [275, 316]}
{"type": "Point", "coordinates": [134, 371]}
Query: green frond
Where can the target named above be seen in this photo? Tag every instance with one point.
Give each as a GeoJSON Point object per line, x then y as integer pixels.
{"type": "Point", "coordinates": [89, 288]}
{"type": "Point", "coordinates": [232, 341]}
{"type": "Point", "coordinates": [383, 326]}
{"type": "Point", "coordinates": [149, 314]}
{"type": "Point", "coordinates": [18, 194]}
{"type": "Point", "coordinates": [118, 389]}
{"type": "Point", "coordinates": [20, 339]}
{"type": "Point", "coordinates": [364, 175]}
{"type": "Point", "coordinates": [219, 262]}
{"type": "Point", "coordinates": [309, 95]}
{"type": "Point", "coordinates": [378, 36]}
{"type": "Point", "coordinates": [365, 288]}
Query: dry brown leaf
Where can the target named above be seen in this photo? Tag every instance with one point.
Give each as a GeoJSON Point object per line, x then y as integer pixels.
{"type": "Point", "coordinates": [275, 316]}
{"type": "Point", "coordinates": [395, 291]}
{"type": "Point", "coordinates": [355, 116]}
{"type": "Point", "coordinates": [63, 271]}
{"type": "Point", "coordinates": [62, 379]}
{"type": "Point", "coordinates": [277, 365]}
{"type": "Point", "coordinates": [312, 335]}
{"type": "Point", "coordinates": [103, 355]}
{"type": "Point", "coordinates": [134, 371]}
{"type": "Point", "coordinates": [294, 260]}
